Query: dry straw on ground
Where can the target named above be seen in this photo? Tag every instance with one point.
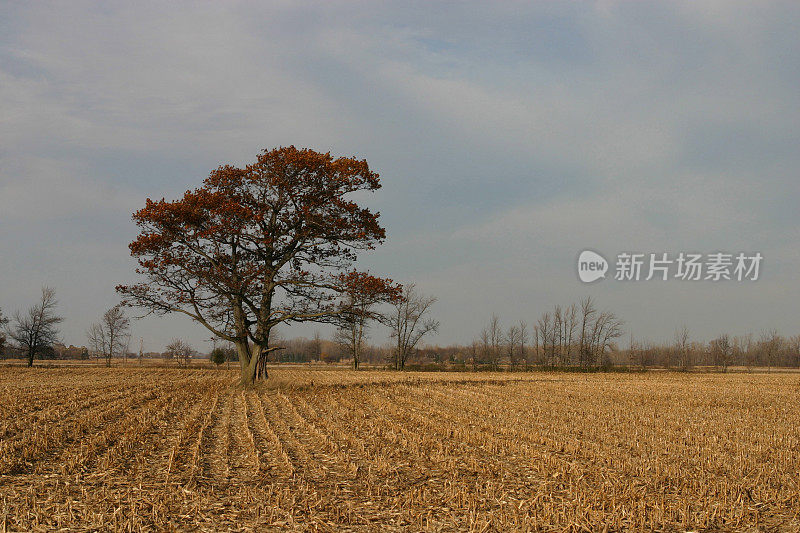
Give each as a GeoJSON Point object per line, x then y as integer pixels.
{"type": "Point", "coordinates": [154, 450]}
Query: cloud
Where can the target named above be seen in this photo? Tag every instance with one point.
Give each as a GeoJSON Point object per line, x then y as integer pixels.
{"type": "Point", "coordinates": [509, 137]}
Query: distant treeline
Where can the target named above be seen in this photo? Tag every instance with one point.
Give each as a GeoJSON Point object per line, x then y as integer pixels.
{"type": "Point", "coordinates": [749, 350]}
{"type": "Point", "coordinates": [578, 336]}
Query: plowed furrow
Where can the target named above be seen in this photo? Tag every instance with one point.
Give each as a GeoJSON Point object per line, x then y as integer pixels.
{"type": "Point", "coordinates": [242, 454]}
{"type": "Point", "coordinates": [215, 468]}
{"type": "Point", "coordinates": [182, 458]}
{"type": "Point", "coordinates": [274, 461]}
{"type": "Point", "coordinates": [108, 443]}
{"type": "Point", "coordinates": [41, 443]}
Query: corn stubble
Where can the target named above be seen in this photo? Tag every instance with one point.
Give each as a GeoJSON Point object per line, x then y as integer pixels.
{"type": "Point", "coordinates": [170, 449]}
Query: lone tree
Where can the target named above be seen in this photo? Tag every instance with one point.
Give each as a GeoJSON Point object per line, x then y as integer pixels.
{"type": "Point", "coordinates": [256, 247]}
{"type": "Point", "coordinates": [36, 330]}
{"type": "Point", "coordinates": [110, 337]}
{"type": "Point", "coordinates": [181, 351]}
{"type": "Point", "coordinates": [409, 322]}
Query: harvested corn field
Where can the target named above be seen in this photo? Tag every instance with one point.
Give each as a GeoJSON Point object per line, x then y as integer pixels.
{"type": "Point", "coordinates": [161, 449]}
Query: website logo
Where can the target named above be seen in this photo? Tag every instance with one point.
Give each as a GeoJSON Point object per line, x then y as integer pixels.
{"type": "Point", "coordinates": [591, 266]}
{"type": "Point", "coordinates": [663, 266]}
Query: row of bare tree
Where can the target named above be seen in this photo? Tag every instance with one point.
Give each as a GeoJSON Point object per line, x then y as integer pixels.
{"type": "Point", "coordinates": [578, 334]}
{"type": "Point", "coordinates": [111, 336]}
{"type": "Point", "coordinates": [407, 317]}
{"type": "Point", "coordinates": [35, 332]}
{"type": "Point", "coordinates": [768, 349]}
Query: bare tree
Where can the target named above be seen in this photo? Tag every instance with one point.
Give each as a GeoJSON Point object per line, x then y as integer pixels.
{"type": "Point", "coordinates": [492, 338]}
{"type": "Point", "coordinates": [557, 332]}
{"type": "Point", "coordinates": [350, 335]}
{"type": "Point", "coordinates": [409, 323]}
{"type": "Point", "coordinates": [721, 351]}
{"type": "Point", "coordinates": [594, 339]}
{"type": "Point", "coordinates": [536, 355]}
{"type": "Point", "coordinates": [570, 323]}
{"type": "Point", "coordinates": [230, 355]}
{"type": "Point", "coordinates": [523, 339]}
{"type": "Point", "coordinates": [588, 311]}
{"type": "Point", "coordinates": [316, 346]}
{"type": "Point", "coordinates": [513, 340]}
{"type": "Point", "coordinates": [750, 353]}
{"type": "Point", "coordinates": [485, 345]}
{"type": "Point", "coordinates": [97, 341]}
{"type": "Point", "coordinates": [111, 336]}
{"type": "Point", "coordinates": [557, 335]}
{"type": "Point", "coordinates": [37, 329]}
{"type": "Point", "coordinates": [681, 348]}
{"type": "Point", "coordinates": [770, 344]}
{"type": "Point", "coordinates": [607, 327]}
{"type": "Point", "coordinates": [636, 353]}
{"type": "Point", "coordinates": [543, 326]}
{"type": "Point", "coordinates": [181, 351]}
{"type": "Point", "coordinates": [474, 354]}
{"type": "Point", "coordinates": [794, 350]}
{"type": "Point", "coordinates": [125, 346]}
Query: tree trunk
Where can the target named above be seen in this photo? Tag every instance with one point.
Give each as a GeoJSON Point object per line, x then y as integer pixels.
{"type": "Point", "coordinates": [261, 365]}
{"type": "Point", "coordinates": [245, 360]}
{"type": "Point", "coordinates": [31, 351]}
{"type": "Point", "coordinates": [253, 363]}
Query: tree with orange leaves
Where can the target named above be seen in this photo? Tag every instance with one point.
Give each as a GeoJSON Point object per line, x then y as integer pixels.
{"type": "Point", "coordinates": [255, 247]}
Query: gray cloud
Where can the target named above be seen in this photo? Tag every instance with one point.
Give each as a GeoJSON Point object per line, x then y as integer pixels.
{"type": "Point", "coordinates": [508, 138]}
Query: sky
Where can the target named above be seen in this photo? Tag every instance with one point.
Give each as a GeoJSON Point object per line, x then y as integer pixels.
{"type": "Point", "coordinates": [509, 137]}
